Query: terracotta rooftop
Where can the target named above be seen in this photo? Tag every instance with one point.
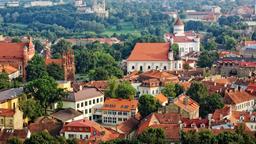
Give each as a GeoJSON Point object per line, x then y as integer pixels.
{"type": "Point", "coordinates": [150, 52]}
{"type": "Point", "coordinates": [46, 124]}
{"type": "Point", "coordinates": [84, 94]}
{"type": "Point", "coordinates": [187, 123]}
{"type": "Point", "coordinates": [8, 69]}
{"type": "Point", "coordinates": [120, 104]}
{"type": "Point", "coordinates": [237, 97]}
{"type": "Point", "coordinates": [161, 98]}
{"type": "Point", "coordinates": [101, 84]}
{"type": "Point", "coordinates": [66, 114]}
{"type": "Point", "coordinates": [249, 43]}
{"type": "Point", "coordinates": [12, 50]}
{"type": "Point", "coordinates": [220, 114]}
{"type": "Point", "coordinates": [6, 134]}
{"type": "Point", "coordinates": [186, 103]}
{"type": "Point", "coordinates": [100, 133]}
{"type": "Point", "coordinates": [128, 126]}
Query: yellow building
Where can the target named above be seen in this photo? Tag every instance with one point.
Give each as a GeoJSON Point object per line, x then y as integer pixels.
{"type": "Point", "coordinates": [10, 115]}
{"type": "Point", "coordinates": [66, 85]}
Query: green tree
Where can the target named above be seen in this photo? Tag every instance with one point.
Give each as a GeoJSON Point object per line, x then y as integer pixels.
{"type": "Point", "coordinates": [61, 47]}
{"type": "Point", "coordinates": [125, 90]}
{"type": "Point", "coordinates": [193, 137]}
{"type": "Point", "coordinates": [112, 87]}
{"type": "Point", "coordinates": [169, 90]}
{"type": "Point", "coordinates": [36, 68]}
{"type": "Point", "coordinates": [16, 40]}
{"type": "Point", "coordinates": [4, 81]}
{"type": "Point", "coordinates": [210, 103]}
{"type": "Point", "coordinates": [229, 137]}
{"type": "Point", "coordinates": [175, 48]}
{"type": "Point", "coordinates": [254, 36]}
{"type": "Point", "coordinates": [197, 91]}
{"type": "Point", "coordinates": [45, 91]}
{"type": "Point", "coordinates": [152, 136]}
{"type": "Point", "coordinates": [172, 90]}
{"type": "Point", "coordinates": [41, 138]}
{"type": "Point", "coordinates": [206, 59]}
{"type": "Point", "coordinates": [30, 109]}
{"type": "Point", "coordinates": [38, 46]}
{"type": "Point", "coordinates": [210, 45]}
{"type": "Point", "coordinates": [147, 105]}
{"type": "Point", "coordinates": [55, 71]}
{"type": "Point", "coordinates": [14, 140]}
{"type": "Point", "coordinates": [230, 42]}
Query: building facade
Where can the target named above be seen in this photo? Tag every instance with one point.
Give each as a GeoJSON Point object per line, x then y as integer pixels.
{"type": "Point", "coordinates": [17, 55]}
{"type": "Point", "coordinates": [86, 101]}
{"type": "Point", "coordinates": [116, 111]}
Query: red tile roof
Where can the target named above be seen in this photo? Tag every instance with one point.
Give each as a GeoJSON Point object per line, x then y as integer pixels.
{"type": "Point", "coordinates": [150, 52]}
{"type": "Point", "coordinates": [161, 98]}
{"type": "Point", "coordinates": [8, 69]}
{"type": "Point", "coordinates": [6, 112]}
{"type": "Point", "coordinates": [190, 105]}
{"type": "Point", "coordinates": [237, 97]}
{"type": "Point", "coordinates": [182, 39]}
{"type": "Point", "coordinates": [120, 104]}
{"type": "Point", "coordinates": [12, 50]}
{"type": "Point", "coordinates": [128, 126]}
{"type": "Point", "coordinates": [9, 133]}
{"type": "Point", "coordinates": [249, 43]}
{"type": "Point", "coordinates": [187, 123]}
{"type": "Point", "coordinates": [171, 131]}
{"type": "Point", "coordinates": [101, 84]}
{"type": "Point", "coordinates": [219, 114]}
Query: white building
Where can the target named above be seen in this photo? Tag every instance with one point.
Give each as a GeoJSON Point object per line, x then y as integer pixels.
{"type": "Point", "coordinates": [151, 87]}
{"type": "Point", "coordinates": [13, 3]}
{"type": "Point", "coordinates": [152, 56]}
{"type": "Point", "coordinates": [187, 41]}
{"type": "Point", "coordinates": [85, 100]}
{"type": "Point", "coordinates": [116, 111]}
{"type": "Point", "coordinates": [39, 3]}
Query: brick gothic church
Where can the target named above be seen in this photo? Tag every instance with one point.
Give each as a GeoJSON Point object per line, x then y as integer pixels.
{"type": "Point", "coordinates": [17, 55]}
{"type": "Point", "coordinates": [67, 62]}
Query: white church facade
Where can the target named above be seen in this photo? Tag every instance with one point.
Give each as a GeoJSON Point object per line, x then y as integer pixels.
{"type": "Point", "coordinates": [159, 56]}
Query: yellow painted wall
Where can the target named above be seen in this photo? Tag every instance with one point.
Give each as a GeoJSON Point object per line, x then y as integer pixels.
{"type": "Point", "coordinates": [9, 104]}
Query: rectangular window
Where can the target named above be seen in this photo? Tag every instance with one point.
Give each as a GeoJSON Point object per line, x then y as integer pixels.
{"type": "Point", "coordinates": [85, 111]}
{"type": "Point", "coordinates": [125, 113]}
{"type": "Point", "coordinates": [82, 104]}
{"type": "Point", "coordinates": [119, 113]}
{"type": "Point", "coordinates": [77, 105]}
{"type": "Point", "coordinates": [119, 119]}
{"type": "Point", "coordinates": [97, 100]}
{"type": "Point", "coordinates": [90, 110]}
{"type": "Point", "coordinates": [101, 99]}
{"type": "Point", "coordinates": [93, 101]}
{"type": "Point", "coordinates": [90, 102]}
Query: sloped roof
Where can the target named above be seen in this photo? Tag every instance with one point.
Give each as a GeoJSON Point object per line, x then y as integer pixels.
{"type": "Point", "coordinates": [6, 112]}
{"type": "Point", "coordinates": [120, 104]}
{"type": "Point", "coordinates": [189, 107]}
{"type": "Point", "coordinates": [161, 98]}
{"type": "Point", "coordinates": [66, 114]}
{"type": "Point", "coordinates": [8, 69]}
{"type": "Point", "coordinates": [238, 96]}
{"type": "Point", "coordinates": [10, 94]}
{"type": "Point", "coordinates": [12, 50]}
{"type": "Point", "coordinates": [178, 22]}
{"type": "Point", "coordinates": [84, 94]}
{"type": "Point", "coordinates": [150, 52]}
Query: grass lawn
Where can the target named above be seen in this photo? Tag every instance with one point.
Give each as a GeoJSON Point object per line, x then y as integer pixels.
{"type": "Point", "coordinates": [127, 27]}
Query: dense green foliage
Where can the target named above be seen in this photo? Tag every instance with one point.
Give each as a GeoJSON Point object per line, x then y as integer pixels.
{"type": "Point", "coordinates": [31, 108]}
{"type": "Point", "coordinates": [208, 102]}
{"type": "Point", "coordinates": [152, 136]}
{"type": "Point", "coordinates": [172, 90]}
{"type": "Point", "coordinates": [36, 68]}
{"type": "Point", "coordinates": [45, 91]}
{"type": "Point", "coordinates": [206, 59]}
{"type": "Point", "coordinates": [55, 71]}
{"type": "Point", "coordinates": [147, 105]}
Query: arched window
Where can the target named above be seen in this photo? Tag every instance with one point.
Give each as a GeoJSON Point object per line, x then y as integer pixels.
{"type": "Point", "coordinates": [165, 68]}
{"type": "Point", "coordinates": [149, 67]}
{"type": "Point", "coordinates": [141, 68]}
{"type": "Point", "coordinates": [133, 67]}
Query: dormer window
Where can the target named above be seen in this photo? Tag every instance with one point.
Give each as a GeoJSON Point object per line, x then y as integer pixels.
{"type": "Point", "coordinates": [184, 124]}
{"type": "Point", "coordinates": [241, 118]}
{"type": "Point", "coordinates": [193, 125]}
{"type": "Point", "coordinates": [253, 118]}
{"type": "Point", "coordinates": [202, 125]}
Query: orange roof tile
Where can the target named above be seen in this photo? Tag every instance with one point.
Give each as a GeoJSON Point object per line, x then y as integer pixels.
{"type": "Point", "coordinates": [220, 113]}
{"type": "Point", "coordinates": [120, 104]}
{"type": "Point", "coordinates": [249, 43]}
{"type": "Point", "coordinates": [53, 61]}
{"type": "Point", "coordinates": [150, 52]}
{"type": "Point", "coordinates": [186, 85]}
{"type": "Point", "coordinates": [189, 105]}
{"type": "Point", "coordinates": [238, 96]}
{"type": "Point", "coordinates": [128, 126]}
{"type": "Point", "coordinates": [12, 50]}
{"type": "Point", "coordinates": [8, 69]}
{"type": "Point", "coordinates": [178, 22]}
{"type": "Point", "coordinates": [161, 98]}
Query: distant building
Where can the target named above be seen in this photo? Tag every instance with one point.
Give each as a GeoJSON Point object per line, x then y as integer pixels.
{"type": "Point", "coordinates": [39, 3]}
{"type": "Point", "coordinates": [187, 41]}
{"type": "Point", "coordinates": [67, 115]}
{"type": "Point", "coordinates": [17, 55]}
{"type": "Point", "coordinates": [86, 100]}
{"type": "Point", "coordinates": [86, 130]}
{"type": "Point", "coordinates": [116, 111]}
{"type": "Point", "coordinates": [249, 49]}
{"type": "Point", "coordinates": [84, 41]}
{"type": "Point", "coordinates": [11, 71]}
{"type": "Point", "coordinates": [13, 3]}
{"type": "Point", "coordinates": [187, 107]}
{"type": "Point", "coordinates": [239, 100]}
{"type": "Point", "coordinates": [67, 62]}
